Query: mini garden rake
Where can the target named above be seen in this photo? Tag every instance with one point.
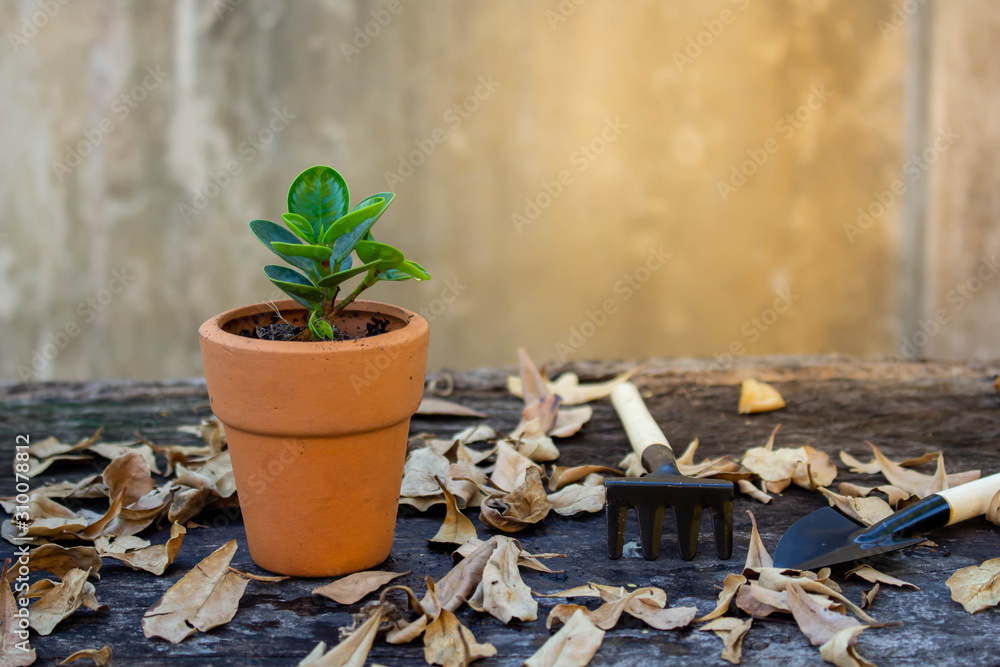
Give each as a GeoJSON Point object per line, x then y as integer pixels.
{"type": "Point", "coordinates": [663, 487]}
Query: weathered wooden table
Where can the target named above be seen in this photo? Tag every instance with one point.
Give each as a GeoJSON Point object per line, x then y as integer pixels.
{"type": "Point", "coordinates": [833, 403]}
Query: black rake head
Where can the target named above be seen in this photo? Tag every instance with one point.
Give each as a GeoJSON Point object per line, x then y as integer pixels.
{"type": "Point", "coordinates": [666, 487]}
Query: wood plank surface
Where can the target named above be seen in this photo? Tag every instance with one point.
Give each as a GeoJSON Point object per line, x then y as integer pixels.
{"type": "Point", "coordinates": [833, 403]}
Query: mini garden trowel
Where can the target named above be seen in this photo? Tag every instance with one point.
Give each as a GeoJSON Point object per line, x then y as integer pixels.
{"type": "Point", "coordinates": [827, 537]}
{"type": "Point", "coordinates": [663, 487]}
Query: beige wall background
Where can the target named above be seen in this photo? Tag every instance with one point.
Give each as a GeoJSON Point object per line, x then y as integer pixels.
{"type": "Point", "coordinates": [139, 138]}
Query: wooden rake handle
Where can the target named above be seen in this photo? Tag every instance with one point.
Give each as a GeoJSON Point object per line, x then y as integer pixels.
{"type": "Point", "coordinates": [641, 428]}
{"type": "Point", "coordinates": [972, 498]}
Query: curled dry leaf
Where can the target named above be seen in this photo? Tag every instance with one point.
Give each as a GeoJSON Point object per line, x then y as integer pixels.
{"type": "Point", "coordinates": [873, 467]}
{"type": "Point", "coordinates": [52, 447]}
{"type": "Point", "coordinates": [730, 585]}
{"type": "Point", "coordinates": [15, 648]}
{"type": "Point", "coordinates": [456, 529]}
{"type": "Point", "coordinates": [522, 507]}
{"type": "Point", "coordinates": [721, 467]}
{"type": "Point", "coordinates": [154, 559]}
{"type": "Point", "coordinates": [868, 511]}
{"type": "Point", "coordinates": [761, 602]}
{"type": "Point", "coordinates": [873, 576]}
{"type": "Point", "coordinates": [805, 466]}
{"type": "Point", "coordinates": [756, 396]}
{"type": "Point", "coordinates": [868, 597]}
{"type": "Point", "coordinates": [438, 406]}
{"type": "Point", "coordinates": [577, 498]}
{"type": "Point", "coordinates": [976, 587]}
{"type": "Point", "coordinates": [632, 465]}
{"type": "Point", "coordinates": [573, 646]}
{"type": "Point", "coordinates": [59, 560]}
{"type": "Point", "coordinates": [353, 587]}
{"type": "Point", "coordinates": [778, 580]}
{"type": "Point", "coordinates": [419, 471]}
{"type": "Point", "coordinates": [561, 476]}
{"type": "Point", "coordinates": [747, 487]}
{"type": "Point", "coordinates": [757, 556]}
{"type": "Point", "coordinates": [503, 593]}
{"type": "Point", "coordinates": [731, 631]}
{"type": "Point", "coordinates": [128, 475]}
{"type": "Point", "coordinates": [568, 387]}
{"type": "Point", "coordinates": [840, 650]}
{"type": "Point", "coordinates": [101, 657]}
{"type": "Point", "coordinates": [911, 481]}
{"type": "Point", "coordinates": [449, 643]}
{"type": "Point", "coordinates": [113, 450]}
{"type": "Point", "coordinates": [206, 597]}
{"type": "Point", "coordinates": [461, 581]}
{"type": "Point", "coordinates": [211, 431]}
{"type": "Point", "coordinates": [648, 604]}
{"type": "Point", "coordinates": [818, 624]}
{"type": "Point", "coordinates": [352, 651]}
{"type": "Point", "coordinates": [510, 468]}
{"type": "Point", "coordinates": [59, 601]}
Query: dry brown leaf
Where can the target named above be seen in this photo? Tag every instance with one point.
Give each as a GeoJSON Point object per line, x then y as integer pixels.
{"type": "Point", "coordinates": [503, 593]}
{"type": "Point", "coordinates": [561, 476]}
{"type": "Point", "coordinates": [757, 556]}
{"type": "Point", "coordinates": [632, 465]}
{"type": "Point", "coordinates": [353, 587]}
{"type": "Point", "coordinates": [211, 431]}
{"type": "Point", "coordinates": [128, 475]}
{"type": "Point", "coordinates": [461, 582]}
{"type": "Point", "coordinates": [533, 444]}
{"type": "Point", "coordinates": [419, 471]}
{"type": "Point", "coordinates": [573, 646]}
{"type": "Point", "coordinates": [522, 507]}
{"type": "Point", "coordinates": [206, 597]}
{"type": "Point", "coordinates": [352, 651]}
{"type": "Point", "coordinates": [873, 576]}
{"type": "Point", "coordinates": [868, 597]}
{"type": "Point", "coordinates": [993, 511]}
{"type": "Point", "coordinates": [648, 604]}
{"type": "Point", "coordinates": [756, 396]}
{"type": "Point", "coordinates": [854, 490]}
{"type": "Point", "coordinates": [218, 470]}
{"type": "Point", "coordinates": [100, 657]}
{"type": "Point", "coordinates": [817, 471]}
{"type": "Point", "coordinates": [730, 585]}
{"type": "Point", "coordinates": [731, 631]}
{"type": "Point", "coordinates": [761, 602]}
{"type": "Point", "coordinates": [457, 528]}
{"type": "Point", "coordinates": [976, 587]}
{"type": "Point", "coordinates": [570, 420]}
{"type": "Point", "coordinates": [59, 560]}
{"type": "Point", "coordinates": [840, 650]}
{"type": "Point", "coordinates": [568, 387]}
{"type": "Point", "coordinates": [778, 580]}
{"type": "Point", "coordinates": [745, 486]}
{"type": "Point", "coordinates": [773, 465]}
{"type": "Point", "coordinates": [868, 511]}
{"type": "Point", "coordinates": [721, 467]}
{"type": "Point", "coordinates": [510, 467]}
{"type": "Point", "coordinates": [911, 481]}
{"type": "Point", "coordinates": [449, 643]}
{"type": "Point", "coordinates": [15, 647]}
{"type": "Point", "coordinates": [112, 450]}
{"type": "Point", "coordinates": [438, 406]}
{"type": "Point", "coordinates": [140, 555]}
{"type": "Point", "coordinates": [873, 467]}
{"type": "Point", "coordinates": [59, 601]}
{"type": "Point", "coordinates": [819, 625]}
{"type": "Point", "coordinates": [577, 498]}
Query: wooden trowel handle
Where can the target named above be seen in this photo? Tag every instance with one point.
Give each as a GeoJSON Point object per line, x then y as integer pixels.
{"type": "Point", "coordinates": [972, 498]}
{"type": "Point", "coordinates": [641, 428]}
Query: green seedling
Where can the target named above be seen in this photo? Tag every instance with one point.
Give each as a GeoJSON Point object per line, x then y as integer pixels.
{"type": "Point", "coordinates": [322, 238]}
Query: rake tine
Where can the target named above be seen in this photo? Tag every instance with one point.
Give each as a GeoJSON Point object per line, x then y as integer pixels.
{"type": "Point", "coordinates": [722, 523]}
{"type": "Point", "coordinates": [616, 514]}
{"type": "Point", "coordinates": [688, 522]}
{"type": "Point", "coordinates": [650, 529]}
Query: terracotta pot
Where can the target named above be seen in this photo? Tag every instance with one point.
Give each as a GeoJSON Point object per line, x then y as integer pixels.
{"type": "Point", "coordinates": [317, 433]}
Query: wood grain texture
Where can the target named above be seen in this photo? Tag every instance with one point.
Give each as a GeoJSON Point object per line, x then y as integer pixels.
{"type": "Point", "coordinates": [833, 403]}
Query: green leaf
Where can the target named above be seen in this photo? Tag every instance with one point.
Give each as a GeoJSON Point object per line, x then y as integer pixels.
{"type": "Point", "coordinates": [300, 226]}
{"type": "Point", "coordinates": [295, 285]}
{"type": "Point", "coordinates": [393, 275]}
{"type": "Point", "coordinates": [412, 268]}
{"type": "Point", "coordinates": [388, 256]}
{"type": "Point", "coordinates": [320, 253]}
{"type": "Point", "coordinates": [339, 277]}
{"type": "Point", "coordinates": [352, 220]}
{"type": "Point", "coordinates": [345, 244]}
{"type": "Point", "coordinates": [319, 194]}
{"type": "Point", "coordinates": [321, 329]}
{"type": "Point", "coordinates": [268, 232]}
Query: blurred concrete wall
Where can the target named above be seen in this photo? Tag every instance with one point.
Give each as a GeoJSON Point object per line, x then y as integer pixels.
{"type": "Point", "coordinates": [587, 179]}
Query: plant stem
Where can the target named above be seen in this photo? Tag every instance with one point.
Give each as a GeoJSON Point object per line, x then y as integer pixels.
{"type": "Point", "coordinates": [349, 299]}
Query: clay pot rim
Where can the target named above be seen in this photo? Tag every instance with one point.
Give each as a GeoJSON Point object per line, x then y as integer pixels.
{"type": "Point", "coordinates": [211, 330]}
